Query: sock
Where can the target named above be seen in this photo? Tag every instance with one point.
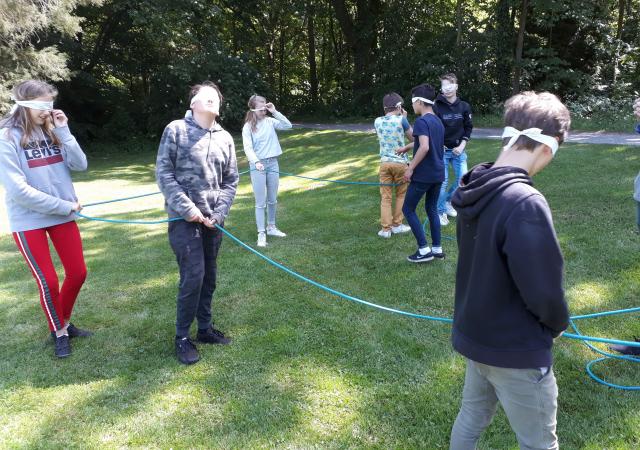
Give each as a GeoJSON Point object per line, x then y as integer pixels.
{"type": "Point", "coordinates": [423, 251]}
{"type": "Point", "coordinates": [62, 332]}
{"type": "Point", "coordinates": [435, 249]}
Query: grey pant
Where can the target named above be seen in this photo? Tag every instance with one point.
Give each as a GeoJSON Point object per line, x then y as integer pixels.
{"type": "Point", "coordinates": [265, 189]}
{"type": "Point", "coordinates": [196, 249]}
{"type": "Point", "coordinates": [529, 398]}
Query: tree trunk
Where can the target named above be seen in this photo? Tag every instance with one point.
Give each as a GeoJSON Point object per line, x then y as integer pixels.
{"type": "Point", "coordinates": [524, 11]}
{"type": "Point", "coordinates": [503, 46]}
{"type": "Point", "coordinates": [313, 71]}
{"type": "Point", "coordinates": [616, 61]}
{"type": "Point", "coordinates": [361, 36]}
{"type": "Point", "coordinates": [459, 21]}
{"type": "Point", "coordinates": [281, 72]}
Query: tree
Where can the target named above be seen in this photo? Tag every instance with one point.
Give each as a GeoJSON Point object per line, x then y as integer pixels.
{"type": "Point", "coordinates": [24, 53]}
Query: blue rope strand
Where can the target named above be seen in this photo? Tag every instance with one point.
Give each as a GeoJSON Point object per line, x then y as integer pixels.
{"type": "Point", "coordinates": [577, 336]}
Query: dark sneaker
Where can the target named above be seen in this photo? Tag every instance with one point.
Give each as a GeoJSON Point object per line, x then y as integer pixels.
{"type": "Point", "coordinates": [213, 336]}
{"type": "Point", "coordinates": [418, 258]}
{"type": "Point", "coordinates": [63, 347]}
{"type": "Point", "coordinates": [78, 332]}
{"type": "Point", "coordinates": [186, 352]}
{"type": "Point", "coordinates": [440, 255]}
{"type": "Point", "coordinates": [626, 349]}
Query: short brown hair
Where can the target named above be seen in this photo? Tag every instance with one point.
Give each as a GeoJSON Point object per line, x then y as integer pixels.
{"type": "Point", "coordinates": [390, 101]}
{"type": "Point", "coordinates": [536, 110]}
{"type": "Point", "coordinates": [196, 88]}
{"type": "Point", "coordinates": [450, 77]}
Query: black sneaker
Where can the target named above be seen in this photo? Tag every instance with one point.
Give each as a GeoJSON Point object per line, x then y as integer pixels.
{"type": "Point", "coordinates": [440, 255]}
{"type": "Point", "coordinates": [213, 336]}
{"type": "Point", "coordinates": [63, 347]}
{"type": "Point", "coordinates": [186, 352]}
{"type": "Point", "coordinates": [418, 258]}
{"type": "Point", "coordinates": [78, 332]}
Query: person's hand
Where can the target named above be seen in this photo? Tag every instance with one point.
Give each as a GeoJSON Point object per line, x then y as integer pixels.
{"type": "Point", "coordinates": [404, 111]}
{"type": "Point", "coordinates": [59, 118]}
{"type": "Point", "coordinates": [636, 108]}
{"type": "Point", "coordinates": [459, 149]}
{"type": "Point", "coordinates": [259, 166]}
{"type": "Point", "coordinates": [197, 217]}
{"type": "Point", "coordinates": [401, 151]}
{"type": "Point", "coordinates": [270, 107]}
{"type": "Point", "coordinates": [210, 223]}
{"type": "Point", "coordinates": [77, 207]}
{"type": "Point", "coordinates": [407, 174]}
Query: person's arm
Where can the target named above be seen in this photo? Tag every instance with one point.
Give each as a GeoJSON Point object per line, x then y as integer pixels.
{"type": "Point", "coordinates": [421, 153]}
{"type": "Point", "coordinates": [173, 192]}
{"type": "Point", "coordinates": [228, 186]}
{"type": "Point", "coordinates": [406, 126]}
{"type": "Point", "coordinates": [535, 262]}
{"type": "Point", "coordinates": [19, 190]}
{"type": "Point", "coordinates": [280, 122]}
{"type": "Point", "coordinates": [636, 111]}
{"type": "Point", "coordinates": [247, 144]}
{"type": "Point", "coordinates": [467, 125]}
{"type": "Point", "coordinates": [74, 157]}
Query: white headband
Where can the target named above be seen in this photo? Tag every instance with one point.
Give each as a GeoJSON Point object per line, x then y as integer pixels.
{"type": "Point", "coordinates": [259, 109]}
{"type": "Point", "coordinates": [531, 133]}
{"type": "Point", "coordinates": [422, 99]}
{"type": "Point", "coordinates": [203, 97]}
{"type": "Point", "coordinates": [33, 104]}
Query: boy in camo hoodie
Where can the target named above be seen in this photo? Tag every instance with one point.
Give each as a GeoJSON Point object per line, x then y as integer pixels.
{"type": "Point", "coordinates": [197, 173]}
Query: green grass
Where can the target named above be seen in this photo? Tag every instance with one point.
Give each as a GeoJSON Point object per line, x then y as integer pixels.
{"type": "Point", "coordinates": [306, 369]}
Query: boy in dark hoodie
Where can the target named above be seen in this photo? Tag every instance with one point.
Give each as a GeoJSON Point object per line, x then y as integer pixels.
{"type": "Point", "coordinates": [509, 299]}
{"type": "Point", "coordinates": [455, 115]}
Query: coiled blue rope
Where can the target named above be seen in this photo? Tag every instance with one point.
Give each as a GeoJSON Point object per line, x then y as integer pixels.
{"type": "Point", "coordinates": [578, 336]}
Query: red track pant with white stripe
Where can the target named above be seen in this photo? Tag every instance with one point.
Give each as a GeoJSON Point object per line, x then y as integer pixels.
{"type": "Point", "coordinates": [56, 302]}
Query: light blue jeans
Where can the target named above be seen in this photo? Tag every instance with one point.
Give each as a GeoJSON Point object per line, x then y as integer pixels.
{"type": "Point", "coordinates": [459, 164]}
{"type": "Point", "coordinates": [529, 398]}
{"type": "Point", "coordinates": [265, 189]}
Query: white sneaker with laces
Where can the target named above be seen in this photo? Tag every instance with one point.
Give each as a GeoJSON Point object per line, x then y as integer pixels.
{"type": "Point", "coordinates": [451, 212]}
{"type": "Point", "coordinates": [273, 231]}
{"type": "Point", "coordinates": [262, 239]}
{"type": "Point", "coordinates": [384, 234]}
{"type": "Point", "coordinates": [402, 228]}
{"type": "Point", "coordinates": [443, 219]}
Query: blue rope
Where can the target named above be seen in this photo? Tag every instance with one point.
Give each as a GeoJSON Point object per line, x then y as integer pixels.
{"type": "Point", "coordinates": [578, 336]}
{"type": "Point", "coordinates": [606, 357]}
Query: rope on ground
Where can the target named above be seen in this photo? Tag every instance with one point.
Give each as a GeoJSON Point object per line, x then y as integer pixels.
{"type": "Point", "coordinates": [577, 336]}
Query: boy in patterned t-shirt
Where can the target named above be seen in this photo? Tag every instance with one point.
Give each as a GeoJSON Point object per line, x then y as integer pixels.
{"type": "Point", "coordinates": [391, 129]}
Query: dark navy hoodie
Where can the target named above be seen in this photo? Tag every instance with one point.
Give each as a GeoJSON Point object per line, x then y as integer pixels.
{"type": "Point", "coordinates": [509, 300]}
{"type": "Point", "coordinates": [456, 118]}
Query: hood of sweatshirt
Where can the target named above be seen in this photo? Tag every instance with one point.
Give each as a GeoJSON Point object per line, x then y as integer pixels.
{"type": "Point", "coordinates": [442, 99]}
{"type": "Point", "coordinates": [481, 184]}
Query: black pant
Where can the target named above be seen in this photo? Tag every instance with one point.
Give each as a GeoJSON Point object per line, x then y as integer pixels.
{"type": "Point", "coordinates": [196, 249]}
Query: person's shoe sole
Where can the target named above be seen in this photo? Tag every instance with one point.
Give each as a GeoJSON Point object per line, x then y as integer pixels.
{"type": "Point", "coordinates": [420, 260]}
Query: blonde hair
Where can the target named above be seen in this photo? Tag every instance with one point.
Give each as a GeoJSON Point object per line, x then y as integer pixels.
{"type": "Point", "coordinates": [20, 118]}
{"type": "Point", "coordinates": [251, 117]}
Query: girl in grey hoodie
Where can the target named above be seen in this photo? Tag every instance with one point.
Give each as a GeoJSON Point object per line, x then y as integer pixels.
{"type": "Point", "coordinates": [37, 152]}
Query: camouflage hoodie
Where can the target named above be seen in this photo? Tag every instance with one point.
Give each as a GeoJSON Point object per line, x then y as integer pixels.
{"type": "Point", "coordinates": [196, 169]}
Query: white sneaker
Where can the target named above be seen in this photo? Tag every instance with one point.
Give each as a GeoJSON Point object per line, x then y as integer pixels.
{"type": "Point", "coordinates": [384, 234]}
{"type": "Point", "coordinates": [262, 239]}
{"type": "Point", "coordinates": [273, 231]}
{"type": "Point", "coordinates": [402, 228]}
{"type": "Point", "coordinates": [443, 219]}
{"type": "Point", "coordinates": [451, 212]}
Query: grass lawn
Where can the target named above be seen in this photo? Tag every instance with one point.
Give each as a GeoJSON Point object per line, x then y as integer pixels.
{"type": "Point", "coordinates": [306, 369]}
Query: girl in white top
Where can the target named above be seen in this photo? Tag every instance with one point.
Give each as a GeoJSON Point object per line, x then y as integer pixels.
{"type": "Point", "coordinates": [260, 143]}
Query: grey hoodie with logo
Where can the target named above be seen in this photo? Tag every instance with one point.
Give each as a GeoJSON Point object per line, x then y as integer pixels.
{"type": "Point", "coordinates": [37, 178]}
{"type": "Point", "coordinates": [196, 169]}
